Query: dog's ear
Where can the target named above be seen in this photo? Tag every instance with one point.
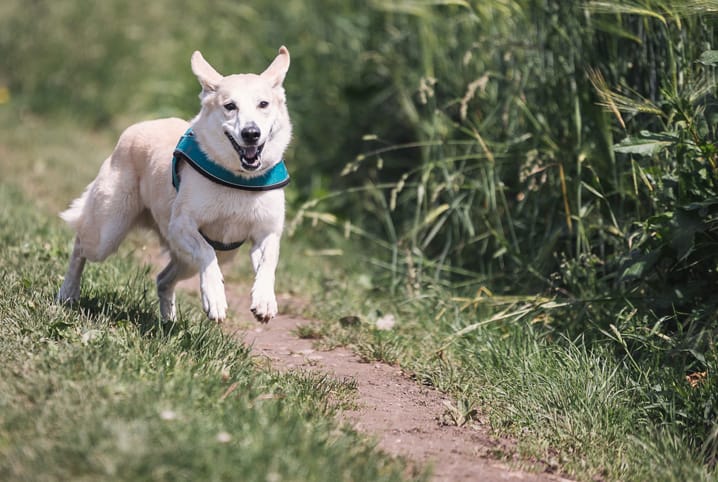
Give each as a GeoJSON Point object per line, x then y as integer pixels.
{"type": "Point", "coordinates": [208, 78]}
{"type": "Point", "coordinates": [278, 68]}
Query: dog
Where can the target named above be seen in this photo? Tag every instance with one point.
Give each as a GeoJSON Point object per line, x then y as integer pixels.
{"type": "Point", "coordinates": [204, 186]}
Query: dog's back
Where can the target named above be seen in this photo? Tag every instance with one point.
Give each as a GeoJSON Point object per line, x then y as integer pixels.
{"type": "Point", "coordinates": [137, 170]}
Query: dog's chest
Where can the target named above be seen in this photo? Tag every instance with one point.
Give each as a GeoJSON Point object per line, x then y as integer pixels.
{"type": "Point", "coordinates": [240, 216]}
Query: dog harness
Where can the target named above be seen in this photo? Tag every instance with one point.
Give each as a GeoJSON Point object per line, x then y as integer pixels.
{"type": "Point", "coordinates": [188, 150]}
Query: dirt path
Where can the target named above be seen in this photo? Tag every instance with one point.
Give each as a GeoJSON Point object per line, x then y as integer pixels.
{"type": "Point", "coordinates": [405, 417]}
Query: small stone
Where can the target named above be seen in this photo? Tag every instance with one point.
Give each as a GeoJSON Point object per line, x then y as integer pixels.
{"type": "Point", "coordinates": [168, 415]}
{"type": "Point", "coordinates": [386, 322]}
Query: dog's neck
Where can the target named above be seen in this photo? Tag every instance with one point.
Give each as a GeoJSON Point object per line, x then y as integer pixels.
{"type": "Point", "coordinates": [188, 150]}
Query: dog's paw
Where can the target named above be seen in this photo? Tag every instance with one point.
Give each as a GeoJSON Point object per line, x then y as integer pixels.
{"type": "Point", "coordinates": [263, 312]}
{"type": "Point", "coordinates": [264, 305]}
{"type": "Point", "coordinates": [168, 310]}
{"type": "Point", "coordinates": [68, 295]}
{"type": "Point", "coordinates": [215, 307]}
{"type": "Point", "coordinates": [214, 300]}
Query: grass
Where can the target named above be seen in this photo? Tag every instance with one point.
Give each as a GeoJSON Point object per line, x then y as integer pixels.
{"type": "Point", "coordinates": [546, 259]}
{"type": "Point", "coordinates": [580, 406]}
{"type": "Point", "coordinates": [104, 391]}
{"type": "Point", "coordinates": [84, 391]}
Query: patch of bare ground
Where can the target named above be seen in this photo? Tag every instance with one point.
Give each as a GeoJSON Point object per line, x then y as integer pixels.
{"type": "Point", "coordinates": [406, 418]}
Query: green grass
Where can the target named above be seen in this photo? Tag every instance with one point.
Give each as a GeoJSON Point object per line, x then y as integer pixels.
{"type": "Point", "coordinates": [84, 391]}
{"type": "Point", "coordinates": [104, 391]}
{"type": "Point", "coordinates": [583, 407]}
{"type": "Point", "coordinates": [560, 155]}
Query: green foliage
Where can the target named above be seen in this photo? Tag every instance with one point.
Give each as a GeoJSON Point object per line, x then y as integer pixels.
{"type": "Point", "coordinates": [505, 173]}
{"type": "Point", "coordinates": [123, 61]}
{"type": "Point", "coordinates": [586, 407]}
{"type": "Point", "coordinates": [673, 255]}
{"type": "Point", "coordinates": [511, 158]}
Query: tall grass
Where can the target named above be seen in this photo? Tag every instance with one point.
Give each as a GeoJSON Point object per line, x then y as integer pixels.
{"type": "Point", "coordinates": [564, 149]}
{"type": "Point", "coordinates": [511, 157]}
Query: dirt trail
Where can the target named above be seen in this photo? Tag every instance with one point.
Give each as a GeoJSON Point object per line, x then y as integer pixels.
{"type": "Point", "coordinates": [403, 415]}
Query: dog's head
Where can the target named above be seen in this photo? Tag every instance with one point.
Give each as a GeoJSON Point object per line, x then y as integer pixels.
{"type": "Point", "coordinates": [243, 123]}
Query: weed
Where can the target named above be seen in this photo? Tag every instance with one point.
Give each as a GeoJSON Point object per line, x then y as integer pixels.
{"type": "Point", "coordinates": [459, 414]}
{"type": "Point", "coordinates": [309, 332]}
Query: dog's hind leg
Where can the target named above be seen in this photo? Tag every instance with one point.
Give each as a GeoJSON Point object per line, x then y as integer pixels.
{"type": "Point", "coordinates": [101, 217]}
{"type": "Point", "coordinates": [166, 283]}
{"type": "Point", "coordinates": [70, 289]}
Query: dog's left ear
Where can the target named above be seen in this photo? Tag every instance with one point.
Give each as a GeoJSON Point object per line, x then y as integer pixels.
{"type": "Point", "coordinates": [208, 78]}
{"type": "Point", "coordinates": [277, 70]}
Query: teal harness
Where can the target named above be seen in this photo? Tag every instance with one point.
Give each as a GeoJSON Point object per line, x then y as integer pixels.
{"type": "Point", "coordinates": [188, 150]}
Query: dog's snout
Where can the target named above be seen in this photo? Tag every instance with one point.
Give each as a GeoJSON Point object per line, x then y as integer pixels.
{"type": "Point", "coordinates": [251, 133]}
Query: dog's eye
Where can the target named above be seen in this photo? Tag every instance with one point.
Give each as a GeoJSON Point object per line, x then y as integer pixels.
{"type": "Point", "coordinates": [230, 106]}
{"type": "Point", "coordinates": [263, 104]}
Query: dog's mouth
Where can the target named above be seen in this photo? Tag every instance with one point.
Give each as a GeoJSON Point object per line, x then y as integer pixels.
{"type": "Point", "coordinates": [249, 156]}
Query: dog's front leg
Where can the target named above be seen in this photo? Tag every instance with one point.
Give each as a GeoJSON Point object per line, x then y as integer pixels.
{"type": "Point", "coordinates": [186, 241]}
{"type": "Point", "coordinates": [265, 256]}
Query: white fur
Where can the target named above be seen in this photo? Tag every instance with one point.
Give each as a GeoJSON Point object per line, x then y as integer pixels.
{"type": "Point", "coordinates": [134, 187]}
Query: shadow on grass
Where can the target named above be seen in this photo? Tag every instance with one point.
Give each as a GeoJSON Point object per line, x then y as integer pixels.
{"type": "Point", "coordinates": [118, 309]}
{"type": "Point", "coordinates": [116, 300]}
{"type": "Point", "coordinates": [132, 303]}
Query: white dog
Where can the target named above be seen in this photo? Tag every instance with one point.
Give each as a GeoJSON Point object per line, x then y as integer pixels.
{"type": "Point", "coordinates": [205, 187]}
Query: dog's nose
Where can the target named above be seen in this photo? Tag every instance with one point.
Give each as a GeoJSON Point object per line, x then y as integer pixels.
{"type": "Point", "coordinates": [251, 133]}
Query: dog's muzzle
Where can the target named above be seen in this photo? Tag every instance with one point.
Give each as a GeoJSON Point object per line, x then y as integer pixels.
{"type": "Point", "coordinates": [250, 156]}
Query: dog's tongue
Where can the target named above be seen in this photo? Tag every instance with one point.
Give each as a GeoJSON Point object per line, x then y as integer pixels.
{"type": "Point", "coordinates": [250, 152]}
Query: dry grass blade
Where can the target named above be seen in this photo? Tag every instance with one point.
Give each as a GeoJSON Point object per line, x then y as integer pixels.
{"type": "Point", "coordinates": [616, 102]}
{"type": "Point", "coordinates": [601, 86]}
{"type": "Point", "coordinates": [628, 8]}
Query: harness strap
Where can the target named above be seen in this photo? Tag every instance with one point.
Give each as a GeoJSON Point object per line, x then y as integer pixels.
{"type": "Point", "coordinates": [188, 150]}
{"type": "Point", "coordinates": [219, 246]}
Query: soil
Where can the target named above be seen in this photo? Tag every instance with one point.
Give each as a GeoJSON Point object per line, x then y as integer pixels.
{"type": "Point", "coordinates": [407, 419]}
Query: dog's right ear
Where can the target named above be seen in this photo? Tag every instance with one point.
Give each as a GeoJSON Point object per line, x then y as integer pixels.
{"type": "Point", "coordinates": [208, 78]}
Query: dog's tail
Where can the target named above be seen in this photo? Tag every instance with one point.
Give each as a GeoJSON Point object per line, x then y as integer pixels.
{"type": "Point", "coordinates": [73, 215]}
